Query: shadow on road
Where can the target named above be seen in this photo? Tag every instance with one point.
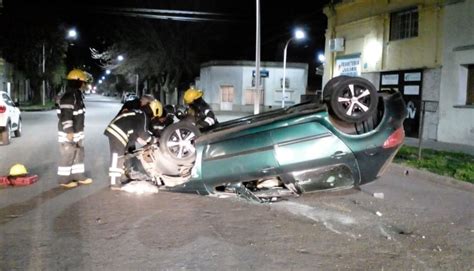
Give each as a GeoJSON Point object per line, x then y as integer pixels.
{"type": "Point", "coordinates": [16, 210]}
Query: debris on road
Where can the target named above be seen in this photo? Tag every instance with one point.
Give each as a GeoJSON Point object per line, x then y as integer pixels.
{"type": "Point", "coordinates": [302, 251]}
{"type": "Point", "coordinates": [378, 195]}
{"type": "Point", "coordinates": [140, 187]}
{"type": "Point", "coordinates": [378, 213]}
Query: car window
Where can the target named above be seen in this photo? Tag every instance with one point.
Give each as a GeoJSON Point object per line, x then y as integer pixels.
{"type": "Point", "coordinates": [7, 99]}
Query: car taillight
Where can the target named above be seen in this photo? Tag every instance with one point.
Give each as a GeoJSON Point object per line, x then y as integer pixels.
{"type": "Point", "coordinates": [3, 109]}
{"type": "Point", "coordinates": [395, 139]}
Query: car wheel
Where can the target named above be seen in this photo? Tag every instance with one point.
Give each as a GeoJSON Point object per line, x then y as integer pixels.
{"type": "Point", "coordinates": [330, 85]}
{"type": "Point", "coordinates": [353, 99]}
{"type": "Point", "coordinates": [177, 142]}
{"type": "Point", "coordinates": [18, 130]}
{"type": "Point", "coordinates": [6, 135]}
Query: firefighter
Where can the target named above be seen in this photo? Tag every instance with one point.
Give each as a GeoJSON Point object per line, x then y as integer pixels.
{"type": "Point", "coordinates": [136, 103]}
{"type": "Point", "coordinates": [202, 112]}
{"type": "Point", "coordinates": [126, 129]}
{"type": "Point", "coordinates": [71, 131]}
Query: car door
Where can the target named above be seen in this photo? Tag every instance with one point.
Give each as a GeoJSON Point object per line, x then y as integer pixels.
{"type": "Point", "coordinates": [246, 155]}
{"type": "Point", "coordinates": [313, 158]}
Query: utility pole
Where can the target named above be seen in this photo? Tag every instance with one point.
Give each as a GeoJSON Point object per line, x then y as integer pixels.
{"type": "Point", "coordinates": [136, 84]}
{"type": "Point", "coordinates": [256, 100]}
{"type": "Point", "coordinates": [44, 71]}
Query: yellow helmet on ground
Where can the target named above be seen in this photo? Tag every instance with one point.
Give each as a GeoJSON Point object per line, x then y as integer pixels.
{"type": "Point", "coordinates": [77, 74]}
{"type": "Point", "coordinates": [192, 94]}
{"type": "Point", "coordinates": [156, 108]}
{"type": "Point", "coordinates": [18, 170]}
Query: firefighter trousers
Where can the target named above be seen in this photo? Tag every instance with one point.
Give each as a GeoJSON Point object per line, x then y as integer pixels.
{"type": "Point", "coordinates": [116, 170]}
{"type": "Point", "coordinates": [71, 162]}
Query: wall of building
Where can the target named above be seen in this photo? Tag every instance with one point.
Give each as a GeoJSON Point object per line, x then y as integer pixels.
{"type": "Point", "coordinates": [456, 118]}
{"type": "Point", "coordinates": [365, 27]}
{"type": "Point", "coordinates": [239, 75]}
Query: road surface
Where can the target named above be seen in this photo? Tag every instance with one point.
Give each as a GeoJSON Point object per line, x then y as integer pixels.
{"type": "Point", "coordinates": [418, 224]}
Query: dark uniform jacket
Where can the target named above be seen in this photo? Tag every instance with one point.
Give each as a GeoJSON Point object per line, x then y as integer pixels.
{"type": "Point", "coordinates": [128, 126]}
{"type": "Point", "coordinates": [71, 115]}
{"type": "Point", "coordinates": [203, 114]}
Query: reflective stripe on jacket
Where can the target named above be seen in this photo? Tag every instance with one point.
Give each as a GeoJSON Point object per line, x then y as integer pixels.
{"type": "Point", "coordinates": [71, 115]}
{"type": "Point", "coordinates": [127, 127]}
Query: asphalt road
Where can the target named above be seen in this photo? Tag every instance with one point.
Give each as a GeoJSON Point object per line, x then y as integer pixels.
{"type": "Point", "coordinates": [419, 224]}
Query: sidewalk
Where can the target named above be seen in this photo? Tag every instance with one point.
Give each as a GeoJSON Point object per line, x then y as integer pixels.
{"type": "Point", "coordinates": [440, 146]}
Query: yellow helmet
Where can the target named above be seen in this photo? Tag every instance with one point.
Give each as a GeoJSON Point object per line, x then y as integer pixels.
{"type": "Point", "coordinates": [156, 108]}
{"type": "Point", "coordinates": [192, 94]}
{"type": "Point", "coordinates": [17, 170]}
{"type": "Point", "coordinates": [77, 74]}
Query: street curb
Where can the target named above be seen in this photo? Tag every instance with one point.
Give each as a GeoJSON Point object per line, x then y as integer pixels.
{"type": "Point", "coordinates": [36, 110]}
{"type": "Point", "coordinates": [402, 170]}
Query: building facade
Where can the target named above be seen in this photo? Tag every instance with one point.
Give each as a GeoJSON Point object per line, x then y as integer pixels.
{"type": "Point", "coordinates": [395, 44]}
{"type": "Point", "coordinates": [456, 122]}
{"type": "Point", "coordinates": [230, 85]}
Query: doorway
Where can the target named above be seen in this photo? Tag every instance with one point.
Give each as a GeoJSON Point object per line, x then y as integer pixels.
{"type": "Point", "coordinates": [227, 97]}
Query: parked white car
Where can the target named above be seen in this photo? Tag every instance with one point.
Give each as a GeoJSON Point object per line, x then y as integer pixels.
{"type": "Point", "coordinates": [10, 119]}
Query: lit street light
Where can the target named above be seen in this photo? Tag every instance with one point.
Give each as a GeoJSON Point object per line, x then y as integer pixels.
{"type": "Point", "coordinates": [120, 58]}
{"type": "Point", "coordinates": [72, 33]}
{"type": "Point", "coordinates": [321, 58]}
{"type": "Point", "coordinates": [299, 34]}
{"type": "Point", "coordinates": [107, 71]}
{"type": "Point", "coordinates": [100, 81]}
{"type": "Point", "coordinates": [103, 77]}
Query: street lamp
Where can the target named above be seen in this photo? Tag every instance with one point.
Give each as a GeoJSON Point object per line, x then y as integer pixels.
{"type": "Point", "coordinates": [107, 71]}
{"type": "Point", "coordinates": [120, 58]}
{"type": "Point", "coordinates": [321, 58]}
{"type": "Point", "coordinates": [72, 33]}
{"type": "Point", "coordinates": [299, 34]}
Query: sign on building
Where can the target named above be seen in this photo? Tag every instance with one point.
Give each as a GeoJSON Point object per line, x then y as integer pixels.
{"type": "Point", "coordinates": [263, 73]}
{"type": "Point", "coordinates": [348, 65]}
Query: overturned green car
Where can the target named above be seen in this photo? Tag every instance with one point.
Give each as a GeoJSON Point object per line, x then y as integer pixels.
{"type": "Point", "coordinates": [344, 140]}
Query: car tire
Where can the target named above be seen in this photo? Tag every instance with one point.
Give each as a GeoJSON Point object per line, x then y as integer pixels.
{"type": "Point", "coordinates": [6, 134]}
{"type": "Point", "coordinates": [177, 142]}
{"type": "Point", "coordinates": [18, 130]}
{"type": "Point", "coordinates": [330, 85]}
{"type": "Point", "coordinates": [353, 99]}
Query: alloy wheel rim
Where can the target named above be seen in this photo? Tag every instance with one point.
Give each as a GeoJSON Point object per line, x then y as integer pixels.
{"type": "Point", "coordinates": [354, 100]}
{"type": "Point", "coordinates": [180, 143]}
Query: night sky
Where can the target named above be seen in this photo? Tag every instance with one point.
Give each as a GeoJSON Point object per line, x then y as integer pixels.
{"type": "Point", "coordinates": [233, 38]}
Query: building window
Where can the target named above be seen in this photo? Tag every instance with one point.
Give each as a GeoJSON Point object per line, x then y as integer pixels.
{"type": "Point", "coordinates": [249, 96]}
{"type": "Point", "coordinates": [470, 85]}
{"type": "Point", "coordinates": [287, 82]}
{"type": "Point", "coordinates": [227, 95]}
{"type": "Point", "coordinates": [404, 24]}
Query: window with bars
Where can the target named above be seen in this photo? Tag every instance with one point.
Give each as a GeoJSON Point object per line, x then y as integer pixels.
{"type": "Point", "coordinates": [404, 24]}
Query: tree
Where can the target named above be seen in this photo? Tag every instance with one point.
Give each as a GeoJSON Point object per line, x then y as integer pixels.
{"type": "Point", "coordinates": [21, 44]}
{"type": "Point", "coordinates": [166, 53]}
